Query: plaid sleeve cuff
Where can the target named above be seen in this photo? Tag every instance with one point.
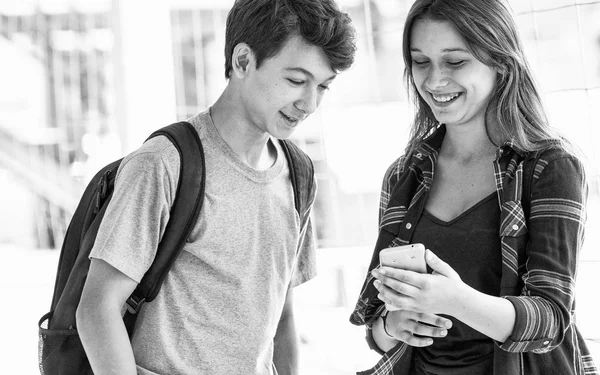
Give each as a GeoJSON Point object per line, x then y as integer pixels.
{"type": "Point", "coordinates": [532, 327]}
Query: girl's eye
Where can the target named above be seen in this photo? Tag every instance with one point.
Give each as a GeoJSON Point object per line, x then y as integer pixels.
{"type": "Point", "coordinates": [324, 87]}
{"type": "Point", "coordinates": [295, 82]}
{"type": "Point", "coordinates": [456, 63]}
{"type": "Point", "coordinates": [419, 63]}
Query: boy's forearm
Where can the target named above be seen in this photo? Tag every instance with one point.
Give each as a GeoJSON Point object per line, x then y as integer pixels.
{"type": "Point", "coordinates": [285, 342]}
{"type": "Point", "coordinates": [285, 354]}
{"type": "Point", "coordinates": [99, 320]}
{"type": "Point", "coordinates": [106, 342]}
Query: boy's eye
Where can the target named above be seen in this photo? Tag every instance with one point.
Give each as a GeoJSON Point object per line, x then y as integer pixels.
{"type": "Point", "coordinates": [295, 82]}
{"type": "Point", "coordinates": [324, 87]}
{"type": "Point", "coordinates": [456, 63]}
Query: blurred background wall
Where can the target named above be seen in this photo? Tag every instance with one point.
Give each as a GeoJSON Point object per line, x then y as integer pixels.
{"type": "Point", "coordinates": [83, 83]}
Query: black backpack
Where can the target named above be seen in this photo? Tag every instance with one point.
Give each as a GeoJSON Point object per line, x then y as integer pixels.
{"type": "Point", "coordinates": [60, 350]}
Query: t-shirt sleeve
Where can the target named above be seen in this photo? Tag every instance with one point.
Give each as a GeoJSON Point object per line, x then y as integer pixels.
{"type": "Point", "coordinates": [306, 262]}
{"type": "Point", "coordinates": [137, 215]}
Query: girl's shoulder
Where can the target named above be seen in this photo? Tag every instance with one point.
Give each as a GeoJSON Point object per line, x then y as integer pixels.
{"type": "Point", "coordinates": [556, 160]}
{"type": "Point", "coordinates": [396, 168]}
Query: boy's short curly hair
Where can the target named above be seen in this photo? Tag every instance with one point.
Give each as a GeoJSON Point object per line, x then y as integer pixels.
{"type": "Point", "coordinates": [266, 25]}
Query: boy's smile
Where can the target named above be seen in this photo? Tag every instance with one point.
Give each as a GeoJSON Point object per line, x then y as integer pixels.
{"type": "Point", "coordinates": [286, 88]}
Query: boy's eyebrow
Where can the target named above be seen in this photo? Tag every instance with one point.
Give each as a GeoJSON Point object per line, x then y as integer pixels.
{"type": "Point", "coordinates": [306, 72]}
{"type": "Point", "coordinates": [457, 49]}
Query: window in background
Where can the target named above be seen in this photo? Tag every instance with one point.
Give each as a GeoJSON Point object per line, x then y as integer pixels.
{"type": "Point", "coordinates": [56, 107]}
{"type": "Point", "coordinates": [198, 42]}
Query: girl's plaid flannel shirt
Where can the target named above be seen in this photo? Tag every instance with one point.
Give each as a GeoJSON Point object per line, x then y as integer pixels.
{"type": "Point", "coordinates": [541, 238]}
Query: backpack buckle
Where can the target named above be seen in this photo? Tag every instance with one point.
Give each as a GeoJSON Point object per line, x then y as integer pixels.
{"type": "Point", "coordinates": [134, 304]}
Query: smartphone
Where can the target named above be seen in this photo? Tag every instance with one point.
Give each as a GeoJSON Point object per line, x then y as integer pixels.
{"type": "Point", "coordinates": [408, 257]}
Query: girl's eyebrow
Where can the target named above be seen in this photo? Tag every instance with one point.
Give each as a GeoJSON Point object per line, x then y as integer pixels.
{"type": "Point", "coordinates": [457, 49]}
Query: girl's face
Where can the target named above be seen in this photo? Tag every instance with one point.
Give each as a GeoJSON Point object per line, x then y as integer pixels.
{"type": "Point", "coordinates": [454, 84]}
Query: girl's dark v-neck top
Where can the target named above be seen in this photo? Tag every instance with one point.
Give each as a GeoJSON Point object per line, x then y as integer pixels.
{"type": "Point", "coordinates": [470, 244]}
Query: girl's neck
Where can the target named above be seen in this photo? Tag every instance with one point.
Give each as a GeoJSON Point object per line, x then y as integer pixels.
{"type": "Point", "coordinates": [467, 144]}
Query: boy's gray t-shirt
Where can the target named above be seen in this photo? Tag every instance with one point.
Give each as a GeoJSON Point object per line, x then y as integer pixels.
{"type": "Point", "coordinates": [218, 309]}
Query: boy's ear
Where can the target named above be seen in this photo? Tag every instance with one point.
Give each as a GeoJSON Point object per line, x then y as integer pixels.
{"type": "Point", "coordinates": [242, 59]}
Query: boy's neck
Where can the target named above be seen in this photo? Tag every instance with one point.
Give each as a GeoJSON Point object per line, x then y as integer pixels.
{"type": "Point", "coordinates": [245, 140]}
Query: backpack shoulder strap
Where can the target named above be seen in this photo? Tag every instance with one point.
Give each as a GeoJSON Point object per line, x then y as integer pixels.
{"type": "Point", "coordinates": [184, 213]}
{"type": "Point", "coordinates": [302, 174]}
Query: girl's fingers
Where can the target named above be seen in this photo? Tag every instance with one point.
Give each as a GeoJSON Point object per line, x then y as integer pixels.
{"type": "Point", "coordinates": [401, 287]}
{"type": "Point", "coordinates": [397, 278]}
{"type": "Point", "coordinates": [430, 319]}
{"type": "Point", "coordinates": [439, 266]}
{"type": "Point", "coordinates": [393, 299]}
{"type": "Point", "coordinates": [418, 328]}
{"type": "Point", "coordinates": [419, 323]}
{"type": "Point", "coordinates": [416, 341]}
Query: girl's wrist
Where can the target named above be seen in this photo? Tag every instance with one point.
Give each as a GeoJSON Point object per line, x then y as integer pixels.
{"type": "Point", "coordinates": [458, 303]}
{"type": "Point", "coordinates": [384, 317]}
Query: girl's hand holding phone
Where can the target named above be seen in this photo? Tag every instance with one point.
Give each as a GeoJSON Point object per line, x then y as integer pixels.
{"type": "Point", "coordinates": [435, 293]}
{"type": "Point", "coordinates": [413, 328]}
{"type": "Point", "coordinates": [408, 257]}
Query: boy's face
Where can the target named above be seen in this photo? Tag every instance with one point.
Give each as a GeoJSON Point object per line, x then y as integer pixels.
{"type": "Point", "coordinates": [286, 88]}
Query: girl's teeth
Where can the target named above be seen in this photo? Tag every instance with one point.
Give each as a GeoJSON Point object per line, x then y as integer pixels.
{"type": "Point", "coordinates": [445, 98]}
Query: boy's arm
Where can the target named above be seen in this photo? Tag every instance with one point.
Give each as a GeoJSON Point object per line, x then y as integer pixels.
{"type": "Point", "coordinates": [285, 355]}
{"type": "Point", "coordinates": [99, 320]}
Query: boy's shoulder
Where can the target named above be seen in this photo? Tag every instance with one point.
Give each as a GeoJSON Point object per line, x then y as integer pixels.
{"type": "Point", "coordinates": [160, 151]}
{"type": "Point", "coordinates": [157, 153]}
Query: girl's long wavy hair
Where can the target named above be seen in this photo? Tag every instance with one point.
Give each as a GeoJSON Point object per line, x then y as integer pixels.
{"type": "Point", "coordinates": [489, 30]}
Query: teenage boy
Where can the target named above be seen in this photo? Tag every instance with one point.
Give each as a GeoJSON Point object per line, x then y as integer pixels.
{"type": "Point", "coordinates": [226, 305]}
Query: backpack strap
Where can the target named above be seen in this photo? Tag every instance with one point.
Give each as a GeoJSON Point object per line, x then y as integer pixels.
{"type": "Point", "coordinates": [188, 202]}
{"type": "Point", "coordinates": [184, 212]}
{"type": "Point", "coordinates": [302, 175]}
